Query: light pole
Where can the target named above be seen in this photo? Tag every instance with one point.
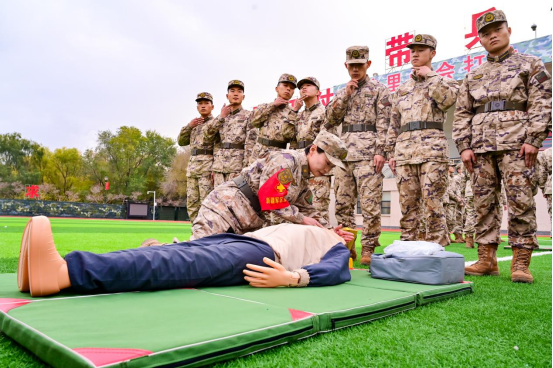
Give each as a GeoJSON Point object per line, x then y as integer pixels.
{"type": "Point", "coordinates": [534, 27]}
{"type": "Point", "coordinates": [153, 191]}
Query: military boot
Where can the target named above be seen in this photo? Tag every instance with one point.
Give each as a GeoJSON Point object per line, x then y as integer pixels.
{"type": "Point", "coordinates": [366, 254]}
{"type": "Point", "coordinates": [519, 265]}
{"type": "Point", "coordinates": [487, 262]}
{"type": "Point", "coordinates": [515, 251]}
{"type": "Point", "coordinates": [458, 238]}
{"type": "Point", "coordinates": [469, 241]}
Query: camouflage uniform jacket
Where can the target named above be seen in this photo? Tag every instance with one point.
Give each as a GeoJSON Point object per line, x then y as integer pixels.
{"type": "Point", "coordinates": [517, 78]}
{"type": "Point", "coordinates": [195, 137]}
{"type": "Point", "coordinates": [310, 122]}
{"type": "Point", "coordinates": [369, 104]}
{"type": "Point", "coordinates": [543, 170]}
{"type": "Point", "coordinates": [299, 195]}
{"type": "Point", "coordinates": [420, 99]}
{"type": "Point", "coordinates": [277, 123]}
{"type": "Point", "coordinates": [235, 129]}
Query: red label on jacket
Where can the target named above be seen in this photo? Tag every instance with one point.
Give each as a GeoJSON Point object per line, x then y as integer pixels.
{"type": "Point", "coordinates": [272, 192]}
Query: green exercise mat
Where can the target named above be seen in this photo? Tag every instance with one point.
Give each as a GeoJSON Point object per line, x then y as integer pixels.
{"type": "Point", "coordinates": [193, 327]}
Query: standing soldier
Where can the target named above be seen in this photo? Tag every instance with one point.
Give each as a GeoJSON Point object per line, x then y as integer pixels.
{"type": "Point", "coordinates": [277, 185]}
{"type": "Point", "coordinates": [544, 176]}
{"type": "Point", "coordinates": [501, 119]}
{"type": "Point", "coordinates": [309, 123]}
{"type": "Point", "coordinates": [458, 219]}
{"type": "Point", "coordinates": [363, 109]}
{"type": "Point", "coordinates": [417, 145]}
{"type": "Point", "coordinates": [276, 121]}
{"type": "Point", "coordinates": [453, 201]}
{"type": "Point", "coordinates": [198, 176]}
{"type": "Point", "coordinates": [237, 135]}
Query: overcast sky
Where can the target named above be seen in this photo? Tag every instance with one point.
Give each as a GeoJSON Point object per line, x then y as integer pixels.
{"type": "Point", "coordinates": [71, 68]}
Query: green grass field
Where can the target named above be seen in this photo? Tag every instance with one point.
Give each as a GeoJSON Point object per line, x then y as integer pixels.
{"type": "Point", "coordinates": [501, 325]}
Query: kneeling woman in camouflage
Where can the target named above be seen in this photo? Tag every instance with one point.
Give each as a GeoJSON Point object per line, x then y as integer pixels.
{"type": "Point", "coordinates": [278, 184]}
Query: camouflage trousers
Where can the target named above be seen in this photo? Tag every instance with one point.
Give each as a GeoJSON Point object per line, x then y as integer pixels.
{"type": "Point", "coordinates": [470, 216]}
{"type": "Point", "coordinates": [359, 179]}
{"type": "Point", "coordinates": [226, 209]}
{"type": "Point", "coordinates": [422, 220]}
{"type": "Point", "coordinates": [451, 216]}
{"type": "Point", "coordinates": [423, 185]}
{"type": "Point", "coordinates": [219, 177]}
{"type": "Point", "coordinates": [459, 219]}
{"type": "Point", "coordinates": [519, 181]}
{"type": "Point", "coordinates": [548, 197]}
{"type": "Point", "coordinates": [197, 188]}
{"type": "Point", "coordinates": [320, 187]}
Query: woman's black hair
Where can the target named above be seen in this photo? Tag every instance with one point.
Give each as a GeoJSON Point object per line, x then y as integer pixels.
{"type": "Point", "coordinates": [319, 150]}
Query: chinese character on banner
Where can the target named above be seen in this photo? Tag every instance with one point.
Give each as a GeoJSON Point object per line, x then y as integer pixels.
{"type": "Point", "coordinates": [394, 80]}
{"type": "Point", "coordinates": [325, 98]}
{"type": "Point", "coordinates": [470, 62]}
{"type": "Point", "coordinates": [474, 33]}
{"type": "Point", "coordinates": [32, 191]}
{"type": "Point", "coordinates": [446, 70]}
{"type": "Point", "coordinates": [397, 51]}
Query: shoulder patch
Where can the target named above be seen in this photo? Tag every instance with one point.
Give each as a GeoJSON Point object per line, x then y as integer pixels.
{"type": "Point", "coordinates": [542, 77]}
{"type": "Point", "coordinates": [477, 76]}
{"type": "Point", "coordinates": [285, 176]}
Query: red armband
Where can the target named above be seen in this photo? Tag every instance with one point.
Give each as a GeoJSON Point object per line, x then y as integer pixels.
{"type": "Point", "coordinates": [272, 192]}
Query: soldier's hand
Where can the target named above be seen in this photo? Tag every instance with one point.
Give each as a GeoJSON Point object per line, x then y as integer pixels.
{"type": "Point", "coordinates": [392, 164]}
{"type": "Point", "coordinates": [468, 158]}
{"type": "Point", "coordinates": [351, 86]}
{"type": "Point", "coordinates": [530, 154]}
{"type": "Point", "coordinates": [298, 103]}
{"type": "Point", "coordinates": [421, 71]}
{"type": "Point", "coordinates": [379, 163]}
{"type": "Point", "coordinates": [225, 111]}
{"type": "Point", "coordinates": [280, 101]}
{"type": "Point", "coordinates": [311, 221]}
{"type": "Point", "coordinates": [195, 122]}
{"type": "Point", "coordinates": [273, 276]}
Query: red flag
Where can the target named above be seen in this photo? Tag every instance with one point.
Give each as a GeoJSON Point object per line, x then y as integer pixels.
{"type": "Point", "coordinates": [272, 192]}
{"type": "Point", "coordinates": [107, 185]}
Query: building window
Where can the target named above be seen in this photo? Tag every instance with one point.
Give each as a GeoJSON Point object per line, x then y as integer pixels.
{"type": "Point", "coordinates": [385, 205]}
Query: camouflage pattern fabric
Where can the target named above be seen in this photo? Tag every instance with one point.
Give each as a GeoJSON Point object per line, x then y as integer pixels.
{"type": "Point", "coordinates": [197, 188]}
{"type": "Point", "coordinates": [359, 179]}
{"type": "Point", "coordinates": [470, 216]}
{"type": "Point", "coordinates": [489, 18]}
{"type": "Point", "coordinates": [543, 170]}
{"type": "Point", "coordinates": [277, 123]}
{"type": "Point", "coordinates": [219, 178]}
{"type": "Point", "coordinates": [426, 100]}
{"type": "Point", "coordinates": [518, 78]}
{"type": "Point", "coordinates": [195, 137]}
{"type": "Point", "coordinates": [236, 128]}
{"type": "Point", "coordinates": [227, 208]}
{"type": "Point", "coordinates": [423, 185]}
{"type": "Point", "coordinates": [519, 184]}
{"type": "Point", "coordinates": [320, 187]}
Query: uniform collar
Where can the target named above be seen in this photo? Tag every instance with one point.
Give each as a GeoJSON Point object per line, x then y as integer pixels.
{"type": "Point", "coordinates": [419, 79]}
{"type": "Point", "coordinates": [208, 118]}
{"type": "Point", "coordinates": [305, 173]}
{"type": "Point", "coordinates": [314, 106]}
{"type": "Point", "coordinates": [502, 57]}
{"type": "Point", "coordinates": [362, 82]}
{"type": "Point", "coordinates": [234, 112]}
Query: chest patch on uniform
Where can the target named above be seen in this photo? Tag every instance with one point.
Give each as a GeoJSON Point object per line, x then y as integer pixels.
{"type": "Point", "coordinates": [386, 101]}
{"type": "Point", "coordinates": [305, 171]}
{"type": "Point", "coordinates": [403, 93]}
{"type": "Point", "coordinates": [273, 192]}
{"type": "Point", "coordinates": [309, 196]}
{"type": "Point", "coordinates": [478, 76]}
{"type": "Point", "coordinates": [542, 77]}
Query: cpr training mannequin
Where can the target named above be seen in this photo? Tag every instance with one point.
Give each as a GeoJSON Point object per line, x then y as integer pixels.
{"type": "Point", "coordinates": [297, 255]}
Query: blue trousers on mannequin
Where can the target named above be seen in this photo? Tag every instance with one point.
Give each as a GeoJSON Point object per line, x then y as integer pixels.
{"type": "Point", "coordinates": [216, 260]}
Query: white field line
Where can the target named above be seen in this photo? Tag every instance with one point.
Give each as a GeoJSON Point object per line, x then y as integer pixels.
{"type": "Point", "coordinates": [469, 263]}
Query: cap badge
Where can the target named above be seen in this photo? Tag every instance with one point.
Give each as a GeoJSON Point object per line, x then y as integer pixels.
{"type": "Point", "coordinates": [489, 17]}
{"type": "Point", "coordinates": [236, 82]}
{"type": "Point", "coordinates": [343, 156]}
{"type": "Point", "coordinates": [418, 38]}
{"type": "Point", "coordinates": [290, 78]}
{"type": "Point", "coordinates": [355, 53]}
{"type": "Point", "coordinates": [202, 94]}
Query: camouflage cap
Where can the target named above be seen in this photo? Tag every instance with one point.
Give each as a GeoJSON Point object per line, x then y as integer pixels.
{"type": "Point", "coordinates": [489, 18]}
{"type": "Point", "coordinates": [335, 150]}
{"type": "Point", "coordinates": [310, 80]}
{"type": "Point", "coordinates": [288, 78]}
{"type": "Point", "coordinates": [424, 40]}
{"type": "Point", "coordinates": [357, 54]}
{"type": "Point", "coordinates": [235, 83]}
{"type": "Point", "coordinates": [204, 96]}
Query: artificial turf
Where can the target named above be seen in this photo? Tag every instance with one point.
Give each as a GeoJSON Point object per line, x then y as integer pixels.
{"type": "Point", "coordinates": [501, 324]}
